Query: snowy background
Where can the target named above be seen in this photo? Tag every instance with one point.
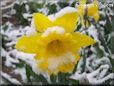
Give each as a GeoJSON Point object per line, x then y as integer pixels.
{"type": "Point", "coordinates": [97, 68]}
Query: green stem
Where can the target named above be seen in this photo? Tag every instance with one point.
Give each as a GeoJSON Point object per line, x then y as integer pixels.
{"type": "Point", "coordinates": [84, 60]}
{"type": "Point", "coordinates": [85, 55]}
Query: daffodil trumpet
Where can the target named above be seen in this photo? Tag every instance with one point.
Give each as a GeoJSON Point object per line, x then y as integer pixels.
{"type": "Point", "coordinates": [56, 46]}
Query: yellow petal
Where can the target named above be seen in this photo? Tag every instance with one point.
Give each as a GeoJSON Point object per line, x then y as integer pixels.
{"type": "Point", "coordinates": [43, 65]}
{"type": "Point", "coordinates": [66, 67]}
{"type": "Point", "coordinates": [82, 39]}
{"type": "Point", "coordinates": [67, 21]}
{"type": "Point", "coordinates": [41, 22]}
{"type": "Point", "coordinates": [96, 17]}
{"type": "Point", "coordinates": [93, 10]}
{"type": "Point", "coordinates": [27, 44]}
{"type": "Point", "coordinates": [81, 11]}
{"type": "Point", "coordinates": [77, 57]}
{"type": "Point", "coordinates": [82, 1]}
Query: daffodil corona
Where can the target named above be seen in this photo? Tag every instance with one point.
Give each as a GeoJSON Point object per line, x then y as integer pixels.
{"type": "Point", "coordinates": [57, 45]}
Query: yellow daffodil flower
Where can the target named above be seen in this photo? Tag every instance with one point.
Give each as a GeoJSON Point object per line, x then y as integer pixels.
{"type": "Point", "coordinates": [57, 45]}
{"type": "Point", "coordinates": [91, 10]}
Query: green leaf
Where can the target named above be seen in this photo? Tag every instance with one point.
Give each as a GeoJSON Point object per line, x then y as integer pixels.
{"type": "Point", "coordinates": [63, 78]}
{"type": "Point", "coordinates": [75, 68]}
{"type": "Point", "coordinates": [84, 56]}
{"type": "Point", "coordinates": [53, 79]}
{"type": "Point", "coordinates": [73, 4]}
{"type": "Point", "coordinates": [52, 9]}
{"type": "Point", "coordinates": [113, 22]}
{"type": "Point", "coordinates": [112, 45]}
{"type": "Point", "coordinates": [62, 4]}
{"type": "Point", "coordinates": [108, 26]}
{"type": "Point", "coordinates": [3, 40]}
{"type": "Point", "coordinates": [5, 27]}
{"type": "Point", "coordinates": [28, 73]}
{"type": "Point", "coordinates": [100, 53]}
{"type": "Point", "coordinates": [38, 78]}
{"type": "Point", "coordinates": [33, 7]}
{"type": "Point", "coordinates": [20, 9]}
{"type": "Point", "coordinates": [41, 78]}
{"type": "Point", "coordinates": [20, 64]}
{"type": "Point", "coordinates": [73, 82]}
{"type": "Point", "coordinates": [78, 27]}
{"type": "Point", "coordinates": [16, 6]}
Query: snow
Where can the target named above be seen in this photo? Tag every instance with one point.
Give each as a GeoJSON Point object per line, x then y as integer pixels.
{"type": "Point", "coordinates": [92, 77]}
{"type": "Point", "coordinates": [4, 7]}
{"type": "Point", "coordinates": [88, 63]}
{"type": "Point", "coordinates": [28, 58]}
{"type": "Point", "coordinates": [26, 15]}
{"type": "Point", "coordinates": [21, 72]}
{"type": "Point", "coordinates": [59, 30]}
{"type": "Point", "coordinates": [102, 60]}
{"type": "Point", "coordinates": [52, 17]}
{"type": "Point", "coordinates": [12, 80]}
{"type": "Point", "coordinates": [62, 12]}
{"type": "Point", "coordinates": [13, 11]}
{"type": "Point", "coordinates": [7, 16]}
{"type": "Point", "coordinates": [92, 31]}
{"type": "Point", "coordinates": [9, 59]}
{"type": "Point", "coordinates": [97, 76]}
{"type": "Point", "coordinates": [31, 29]}
{"type": "Point", "coordinates": [12, 36]}
{"type": "Point", "coordinates": [102, 22]}
{"type": "Point", "coordinates": [45, 11]}
{"type": "Point", "coordinates": [53, 63]}
{"type": "Point", "coordinates": [53, 1]}
{"type": "Point", "coordinates": [112, 34]}
{"type": "Point", "coordinates": [1, 81]}
{"type": "Point", "coordinates": [95, 81]}
{"type": "Point", "coordinates": [10, 43]}
{"type": "Point", "coordinates": [112, 56]}
{"type": "Point", "coordinates": [27, 7]}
